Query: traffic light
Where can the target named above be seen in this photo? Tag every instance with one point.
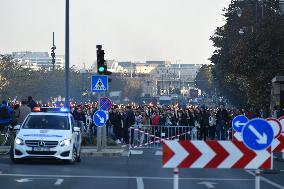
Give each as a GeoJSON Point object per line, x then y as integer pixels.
{"type": "Point", "coordinates": [101, 63]}
{"type": "Point", "coordinates": [101, 66]}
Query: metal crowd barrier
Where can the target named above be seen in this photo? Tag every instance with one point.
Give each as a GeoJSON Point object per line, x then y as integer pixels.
{"type": "Point", "coordinates": [151, 136]}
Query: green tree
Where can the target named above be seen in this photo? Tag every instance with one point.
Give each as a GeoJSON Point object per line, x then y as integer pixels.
{"type": "Point", "coordinates": [204, 79]}
{"type": "Point", "coordinates": [244, 65]}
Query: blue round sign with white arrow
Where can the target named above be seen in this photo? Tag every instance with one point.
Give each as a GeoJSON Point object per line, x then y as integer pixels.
{"type": "Point", "coordinates": [258, 134]}
{"type": "Point", "coordinates": [100, 118]}
{"type": "Point", "coordinates": [239, 122]}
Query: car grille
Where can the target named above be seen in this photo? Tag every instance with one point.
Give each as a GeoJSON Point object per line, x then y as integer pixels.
{"type": "Point", "coordinates": [41, 152]}
{"type": "Point", "coordinates": [40, 143]}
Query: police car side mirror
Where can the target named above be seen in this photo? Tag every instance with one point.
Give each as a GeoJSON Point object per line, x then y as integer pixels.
{"type": "Point", "coordinates": [76, 129]}
{"type": "Point", "coordinates": [17, 127]}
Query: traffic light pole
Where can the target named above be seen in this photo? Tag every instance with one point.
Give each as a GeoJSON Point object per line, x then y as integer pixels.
{"type": "Point", "coordinates": [101, 70]}
{"type": "Point", "coordinates": [104, 139]}
{"type": "Point", "coordinates": [101, 132]}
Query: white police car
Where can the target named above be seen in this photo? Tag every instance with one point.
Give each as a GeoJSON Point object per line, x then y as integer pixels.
{"type": "Point", "coordinates": [47, 133]}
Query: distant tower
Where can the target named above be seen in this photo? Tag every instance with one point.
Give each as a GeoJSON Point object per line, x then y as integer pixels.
{"type": "Point", "coordinates": [53, 52]}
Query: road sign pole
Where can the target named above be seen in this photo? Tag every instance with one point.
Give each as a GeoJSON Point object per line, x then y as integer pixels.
{"type": "Point", "coordinates": [257, 179]}
{"type": "Point", "coordinates": [99, 130]}
{"type": "Point", "coordinates": [104, 140]}
{"type": "Point", "coordinates": [176, 172]}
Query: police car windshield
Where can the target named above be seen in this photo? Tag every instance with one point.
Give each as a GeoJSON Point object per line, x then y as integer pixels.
{"type": "Point", "coordinates": [46, 122]}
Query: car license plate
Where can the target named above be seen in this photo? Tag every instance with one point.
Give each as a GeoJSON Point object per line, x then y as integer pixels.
{"type": "Point", "coordinates": [41, 149]}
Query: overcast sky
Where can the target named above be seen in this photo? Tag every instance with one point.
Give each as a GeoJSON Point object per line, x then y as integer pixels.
{"type": "Point", "coordinates": [136, 30]}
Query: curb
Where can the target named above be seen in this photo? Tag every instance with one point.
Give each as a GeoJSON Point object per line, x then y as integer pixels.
{"type": "Point", "coordinates": [87, 152]}
{"type": "Point", "coordinates": [104, 153]}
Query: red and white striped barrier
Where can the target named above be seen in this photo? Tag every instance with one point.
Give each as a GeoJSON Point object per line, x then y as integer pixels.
{"type": "Point", "coordinates": [213, 154]}
{"type": "Point", "coordinates": [278, 144]}
{"type": "Point", "coordinates": [155, 139]}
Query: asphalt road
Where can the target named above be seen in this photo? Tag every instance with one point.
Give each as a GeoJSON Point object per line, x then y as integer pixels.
{"type": "Point", "coordinates": [142, 170]}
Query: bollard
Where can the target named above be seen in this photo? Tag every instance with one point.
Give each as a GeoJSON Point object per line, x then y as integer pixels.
{"type": "Point", "coordinates": [194, 133]}
{"type": "Point", "coordinates": [176, 172]}
{"type": "Point", "coordinates": [257, 179]}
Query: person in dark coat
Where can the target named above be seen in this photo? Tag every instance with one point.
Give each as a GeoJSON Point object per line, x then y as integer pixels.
{"type": "Point", "coordinates": [204, 123]}
{"type": "Point", "coordinates": [222, 119]}
{"type": "Point", "coordinates": [129, 120]}
{"type": "Point", "coordinates": [31, 102]}
{"type": "Point", "coordinates": [116, 121]}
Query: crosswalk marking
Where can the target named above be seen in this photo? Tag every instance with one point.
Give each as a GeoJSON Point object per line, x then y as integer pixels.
{"type": "Point", "coordinates": [141, 152]}
{"type": "Point", "coordinates": [136, 152]}
{"type": "Point", "coordinates": [158, 153]}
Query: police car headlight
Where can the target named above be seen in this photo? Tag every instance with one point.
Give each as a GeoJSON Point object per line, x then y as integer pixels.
{"type": "Point", "coordinates": [19, 141]}
{"type": "Point", "coordinates": [65, 142]}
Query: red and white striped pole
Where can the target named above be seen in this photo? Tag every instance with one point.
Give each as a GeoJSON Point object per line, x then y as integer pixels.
{"type": "Point", "coordinates": [176, 172]}
{"type": "Point", "coordinates": [257, 179]}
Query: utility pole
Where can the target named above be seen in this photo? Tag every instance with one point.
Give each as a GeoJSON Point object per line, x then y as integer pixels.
{"type": "Point", "coordinates": [179, 75]}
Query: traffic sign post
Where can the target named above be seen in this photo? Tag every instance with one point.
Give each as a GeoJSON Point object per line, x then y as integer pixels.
{"type": "Point", "coordinates": [100, 118]}
{"type": "Point", "coordinates": [258, 134]}
{"type": "Point", "coordinates": [105, 104]}
{"type": "Point", "coordinates": [239, 122]}
{"type": "Point", "coordinates": [281, 120]}
{"type": "Point", "coordinates": [99, 83]}
{"type": "Point", "coordinates": [280, 140]}
{"type": "Point", "coordinates": [276, 126]}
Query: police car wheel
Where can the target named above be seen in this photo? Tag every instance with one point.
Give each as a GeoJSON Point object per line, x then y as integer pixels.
{"type": "Point", "coordinates": [14, 160]}
{"type": "Point", "coordinates": [73, 156]}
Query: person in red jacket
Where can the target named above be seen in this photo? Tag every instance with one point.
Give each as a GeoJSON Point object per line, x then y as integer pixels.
{"type": "Point", "coordinates": [156, 119]}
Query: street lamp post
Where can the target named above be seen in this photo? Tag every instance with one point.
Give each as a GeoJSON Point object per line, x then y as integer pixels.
{"type": "Point", "coordinates": [67, 100]}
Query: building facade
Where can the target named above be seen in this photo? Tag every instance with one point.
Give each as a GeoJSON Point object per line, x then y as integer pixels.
{"type": "Point", "coordinates": [37, 60]}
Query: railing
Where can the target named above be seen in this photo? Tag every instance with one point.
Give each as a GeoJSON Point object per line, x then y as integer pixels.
{"type": "Point", "coordinates": [151, 136]}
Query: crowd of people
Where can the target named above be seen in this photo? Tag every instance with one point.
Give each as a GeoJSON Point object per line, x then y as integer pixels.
{"type": "Point", "coordinates": [209, 123]}
{"type": "Point", "coordinates": [213, 124]}
{"type": "Point", "coordinates": [13, 113]}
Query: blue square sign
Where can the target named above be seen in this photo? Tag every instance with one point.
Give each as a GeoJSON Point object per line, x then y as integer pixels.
{"type": "Point", "coordinates": [99, 83]}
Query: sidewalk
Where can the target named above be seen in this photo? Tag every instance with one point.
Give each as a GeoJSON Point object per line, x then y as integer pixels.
{"type": "Point", "coordinates": [91, 151]}
{"type": "Point", "coordinates": [110, 151]}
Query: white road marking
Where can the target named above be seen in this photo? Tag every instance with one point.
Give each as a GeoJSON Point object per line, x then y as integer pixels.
{"type": "Point", "coordinates": [267, 180]}
{"type": "Point", "coordinates": [158, 153]}
{"type": "Point", "coordinates": [58, 182]}
{"type": "Point", "coordinates": [23, 180]}
{"type": "Point", "coordinates": [136, 152]}
{"type": "Point", "coordinates": [125, 177]}
{"type": "Point", "coordinates": [140, 183]}
{"type": "Point", "coordinates": [208, 184]}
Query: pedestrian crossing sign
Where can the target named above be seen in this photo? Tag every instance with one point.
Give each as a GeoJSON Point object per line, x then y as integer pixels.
{"type": "Point", "coordinates": [99, 83]}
